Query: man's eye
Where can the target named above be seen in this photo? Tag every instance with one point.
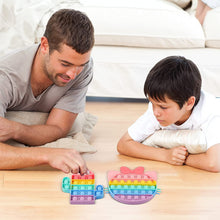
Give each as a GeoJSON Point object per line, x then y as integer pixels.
{"type": "Point", "coordinates": [63, 64]}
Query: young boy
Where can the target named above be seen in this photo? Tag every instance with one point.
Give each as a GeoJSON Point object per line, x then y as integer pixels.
{"type": "Point", "coordinates": [173, 88]}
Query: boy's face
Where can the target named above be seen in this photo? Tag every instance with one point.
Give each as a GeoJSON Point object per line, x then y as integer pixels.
{"type": "Point", "coordinates": [169, 112]}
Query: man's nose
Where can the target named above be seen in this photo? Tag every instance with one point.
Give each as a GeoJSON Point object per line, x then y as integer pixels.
{"type": "Point", "coordinates": [73, 72]}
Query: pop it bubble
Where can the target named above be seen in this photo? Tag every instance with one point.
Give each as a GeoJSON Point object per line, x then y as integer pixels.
{"type": "Point", "coordinates": [82, 189]}
{"type": "Point", "coordinates": [132, 186]}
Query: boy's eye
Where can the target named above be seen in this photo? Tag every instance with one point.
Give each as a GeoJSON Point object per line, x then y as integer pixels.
{"type": "Point", "coordinates": [163, 107]}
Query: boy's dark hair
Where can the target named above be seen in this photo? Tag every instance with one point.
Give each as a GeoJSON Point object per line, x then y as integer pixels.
{"type": "Point", "coordinates": [175, 77]}
{"type": "Point", "coordinates": [72, 28]}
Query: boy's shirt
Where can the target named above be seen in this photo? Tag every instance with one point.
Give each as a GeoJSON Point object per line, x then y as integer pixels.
{"type": "Point", "coordinates": [205, 116]}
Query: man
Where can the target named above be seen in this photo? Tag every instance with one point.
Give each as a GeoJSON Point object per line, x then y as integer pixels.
{"type": "Point", "coordinates": [50, 77]}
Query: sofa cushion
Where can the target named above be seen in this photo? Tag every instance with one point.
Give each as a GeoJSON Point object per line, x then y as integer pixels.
{"type": "Point", "coordinates": [151, 24]}
{"type": "Point", "coordinates": [159, 24]}
{"type": "Point", "coordinates": [211, 28]}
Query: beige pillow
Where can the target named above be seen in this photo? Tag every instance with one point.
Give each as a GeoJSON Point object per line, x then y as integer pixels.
{"type": "Point", "coordinates": [78, 137]}
{"type": "Point", "coordinates": [193, 140]}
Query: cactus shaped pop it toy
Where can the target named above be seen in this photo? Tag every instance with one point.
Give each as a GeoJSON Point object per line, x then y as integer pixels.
{"type": "Point", "coordinates": [82, 188]}
{"type": "Point", "coordinates": [132, 186]}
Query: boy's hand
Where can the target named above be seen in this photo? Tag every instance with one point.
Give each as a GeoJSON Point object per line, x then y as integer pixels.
{"type": "Point", "coordinates": [177, 155]}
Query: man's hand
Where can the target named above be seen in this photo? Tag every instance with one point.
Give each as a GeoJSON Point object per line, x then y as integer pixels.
{"type": "Point", "coordinates": [177, 155]}
{"type": "Point", "coordinates": [67, 160]}
{"type": "Point", "coordinates": [58, 124]}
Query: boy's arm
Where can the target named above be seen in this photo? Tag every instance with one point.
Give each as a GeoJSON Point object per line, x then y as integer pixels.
{"type": "Point", "coordinates": [210, 160]}
{"type": "Point", "coordinates": [58, 125]}
{"type": "Point", "coordinates": [129, 147]}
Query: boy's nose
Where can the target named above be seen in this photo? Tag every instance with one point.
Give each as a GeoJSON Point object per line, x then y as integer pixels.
{"type": "Point", "coordinates": [156, 112]}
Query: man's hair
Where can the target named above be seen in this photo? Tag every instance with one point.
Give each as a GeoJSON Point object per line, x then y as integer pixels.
{"type": "Point", "coordinates": [175, 77]}
{"type": "Point", "coordinates": [72, 28]}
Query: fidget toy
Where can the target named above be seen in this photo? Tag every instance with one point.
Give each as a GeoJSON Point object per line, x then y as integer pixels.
{"type": "Point", "coordinates": [132, 186]}
{"type": "Point", "coordinates": [126, 186]}
{"type": "Point", "coordinates": [82, 189]}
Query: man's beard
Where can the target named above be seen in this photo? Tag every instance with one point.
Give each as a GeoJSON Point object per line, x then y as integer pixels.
{"type": "Point", "coordinates": [53, 77]}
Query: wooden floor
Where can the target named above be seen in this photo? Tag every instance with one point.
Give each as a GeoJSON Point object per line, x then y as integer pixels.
{"type": "Point", "coordinates": [35, 193]}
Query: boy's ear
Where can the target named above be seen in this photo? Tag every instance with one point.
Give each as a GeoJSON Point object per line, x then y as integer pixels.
{"type": "Point", "coordinates": [190, 103]}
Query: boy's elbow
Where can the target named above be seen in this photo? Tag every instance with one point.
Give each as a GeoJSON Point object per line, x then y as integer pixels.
{"type": "Point", "coordinates": [120, 147]}
{"type": "Point", "coordinates": [214, 159]}
{"type": "Point", "coordinates": [124, 144]}
{"type": "Point", "coordinates": [214, 166]}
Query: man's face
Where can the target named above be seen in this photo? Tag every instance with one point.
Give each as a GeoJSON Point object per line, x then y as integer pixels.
{"type": "Point", "coordinates": [169, 112]}
{"type": "Point", "coordinates": [64, 65]}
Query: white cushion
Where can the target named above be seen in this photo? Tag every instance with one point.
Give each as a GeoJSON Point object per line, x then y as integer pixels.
{"type": "Point", "coordinates": [159, 24]}
{"type": "Point", "coordinates": [7, 18]}
{"type": "Point", "coordinates": [193, 140]}
{"type": "Point", "coordinates": [151, 24]}
{"type": "Point", "coordinates": [211, 28]}
{"type": "Point", "coordinates": [19, 21]}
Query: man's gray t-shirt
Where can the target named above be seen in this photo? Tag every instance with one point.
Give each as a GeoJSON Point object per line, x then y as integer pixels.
{"type": "Point", "coordinates": [16, 92]}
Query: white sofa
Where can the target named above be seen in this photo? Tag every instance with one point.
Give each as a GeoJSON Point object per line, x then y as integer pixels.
{"type": "Point", "coordinates": [131, 36]}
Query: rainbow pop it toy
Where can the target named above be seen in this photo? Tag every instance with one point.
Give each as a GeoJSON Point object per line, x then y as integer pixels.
{"type": "Point", "coordinates": [132, 186]}
{"type": "Point", "coordinates": [82, 189]}
{"type": "Point", "coordinates": [126, 186]}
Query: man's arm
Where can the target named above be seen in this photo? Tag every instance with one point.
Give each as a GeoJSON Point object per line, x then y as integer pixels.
{"type": "Point", "coordinates": [58, 125]}
{"type": "Point", "coordinates": [129, 147]}
{"type": "Point", "coordinates": [210, 160]}
{"type": "Point", "coordinates": [67, 160]}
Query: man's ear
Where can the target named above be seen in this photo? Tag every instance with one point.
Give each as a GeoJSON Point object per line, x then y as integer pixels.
{"type": "Point", "coordinates": [44, 45]}
{"type": "Point", "coordinates": [190, 102]}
